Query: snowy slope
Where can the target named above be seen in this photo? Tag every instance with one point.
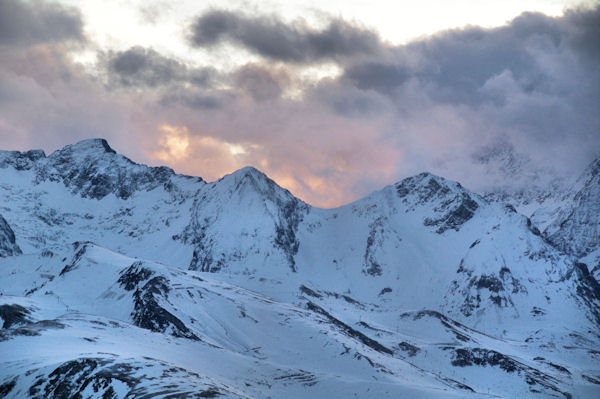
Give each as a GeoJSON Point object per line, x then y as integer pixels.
{"type": "Point", "coordinates": [566, 212]}
{"type": "Point", "coordinates": [568, 217]}
{"type": "Point", "coordinates": [235, 219]}
{"type": "Point", "coordinates": [124, 206]}
{"type": "Point", "coordinates": [141, 314]}
{"type": "Point", "coordinates": [576, 227]}
{"type": "Point", "coordinates": [136, 279]}
{"type": "Point", "coordinates": [143, 328]}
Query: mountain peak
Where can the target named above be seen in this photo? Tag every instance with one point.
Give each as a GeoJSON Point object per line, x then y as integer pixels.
{"type": "Point", "coordinates": [426, 185]}
{"type": "Point", "coordinates": [249, 177]}
{"type": "Point", "coordinates": [249, 171]}
{"type": "Point", "coordinates": [452, 204]}
{"type": "Point", "coordinates": [93, 169]}
{"type": "Point", "coordinates": [95, 145]}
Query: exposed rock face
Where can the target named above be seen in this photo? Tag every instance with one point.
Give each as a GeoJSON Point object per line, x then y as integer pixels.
{"type": "Point", "coordinates": [576, 228]}
{"type": "Point", "coordinates": [453, 205]}
{"type": "Point", "coordinates": [149, 291]}
{"type": "Point", "coordinates": [21, 160]}
{"type": "Point", "coordinates": [8, 245]}
{"type": "Point", "coordinates": [14, 314]}
{"type": "Point", "coordinates": [107, 377]}
{"type": "Point", "coordinates": [486, 290]}
{"type": "Point", "coordinates": [91, 169]}
{"type": "Point", "coordinates": [374, 240]}
{"type": "Point", "coordinates": [420, 289]}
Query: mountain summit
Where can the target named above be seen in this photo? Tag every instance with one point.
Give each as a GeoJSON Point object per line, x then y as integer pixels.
{"type": "Point", "coordinates": [88, 147]}
{"type": "Point", "coordinates": [123, 280]}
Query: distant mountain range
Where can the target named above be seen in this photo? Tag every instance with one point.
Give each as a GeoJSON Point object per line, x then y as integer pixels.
{"type": "Point", "coordinates": [122, 280]}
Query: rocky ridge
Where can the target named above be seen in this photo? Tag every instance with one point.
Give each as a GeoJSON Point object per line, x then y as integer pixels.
{"type": "Point", "coordinates": [418, 289]}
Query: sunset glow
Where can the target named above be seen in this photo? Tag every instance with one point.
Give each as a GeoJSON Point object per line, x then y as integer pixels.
{"type": "Point", "coordinates": [332, 100]}
{"type": "Point", "coordinates": [175, 144]}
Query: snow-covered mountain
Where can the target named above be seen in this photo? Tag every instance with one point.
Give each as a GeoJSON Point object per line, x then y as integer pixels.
{"type": "Point", "coordinates": [566, 212]}
{"type": "Point", "coordinates": [232, 220]}
{"type": "Point", "coordinates": [513, 177]}
{"type": "Point", "coordinates": [121, 279]}
{"type": "Point", "coordinates": [565, 209]}
{"type": "Point", "coordinates": [576, 226]}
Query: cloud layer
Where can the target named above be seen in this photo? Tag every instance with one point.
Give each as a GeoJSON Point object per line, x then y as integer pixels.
{"type": "Point", "coordinates": [276, 40]}
{"type": "Point", "coordinates": [27, 24]}
{"type": "Point", "coordinates": [512, 106]}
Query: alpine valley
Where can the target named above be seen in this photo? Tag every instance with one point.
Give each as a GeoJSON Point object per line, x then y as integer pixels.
{"type": "Point", "coordinates": [122, 280]}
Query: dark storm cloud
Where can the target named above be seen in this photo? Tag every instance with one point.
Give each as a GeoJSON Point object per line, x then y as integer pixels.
{"type": "Point", "coordinates": [532, 85]}
{"type": "Point", "coordinates": [355, 104]}
{"type": "Point", "coordinates": [261, 82]}
{"type": "Point", "coordinates": [142, 67]}
{"type": "Point", "coordinates": [460, 62]}
{"type": "Point", "coordinates": [349, 102]}
{"type": "Point", "coordinates": [193, 99]}
{"type": "Point", "coordinates": [531, 75]}
{"type": "Point", "coordinates": [274, 39]}
{"type": "Point", "coordinates": [585, 35]}
{"type": "Point", "coordinates": [377, 76]}
{"type": "Point", "coordinates": [27, 23]}
{"type": "Point", "coordinates": [455, 65]}
{"type": "Point", "coordinates": [473, 104]}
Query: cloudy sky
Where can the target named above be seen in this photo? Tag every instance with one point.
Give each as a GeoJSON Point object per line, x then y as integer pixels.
{"type": "Point", "coordinates": [331, 101]}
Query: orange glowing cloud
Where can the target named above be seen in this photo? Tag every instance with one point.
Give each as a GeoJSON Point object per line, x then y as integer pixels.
{"type": "Point", "coordinates": [323, 160]}
{"type": "Point", "coordinates": [174, 143]}
{"type": "Point", "coordinates": [201, 155]}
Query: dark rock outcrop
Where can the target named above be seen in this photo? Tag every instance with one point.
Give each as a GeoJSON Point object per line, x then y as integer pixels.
{"type": "Point", "coordinates": [453, 206]}
{"type": "Point", "coordinates": [149, 292]}
{"type": "Point", "coordinates": [8, 245]}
